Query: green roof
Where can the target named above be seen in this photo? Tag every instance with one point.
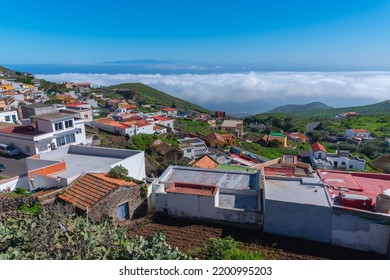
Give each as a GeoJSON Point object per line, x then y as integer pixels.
{"type": "Point", "coordinates": [276, 134]}
{"type": "Point", "coordinates": [234, 167]}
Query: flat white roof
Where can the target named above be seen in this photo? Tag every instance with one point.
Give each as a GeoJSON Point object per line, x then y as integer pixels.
{"type": "Point", "coordinates": [296, 191]}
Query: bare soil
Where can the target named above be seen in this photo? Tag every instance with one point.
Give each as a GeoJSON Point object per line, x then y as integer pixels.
{"type": "Point", "coordinates": [380, 162]}
{"type": "Point", "coordinates": [187, 235]}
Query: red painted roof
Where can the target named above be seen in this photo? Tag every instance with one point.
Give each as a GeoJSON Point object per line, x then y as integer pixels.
{"type": "Point", "coordinates": [315, 147]}
{"type": "Point", "coordinates": [161, 118]}
{"type": "Point", "coordinates": [358, 183]}
{"type": "Point", "coordinates": [91, 188]}
{"type": "Point", "coordinates": [359, 130]}
{"type": "Point", "coordinates": [194, 189]}
{"type": "Point", "coordinates": [168, 109]}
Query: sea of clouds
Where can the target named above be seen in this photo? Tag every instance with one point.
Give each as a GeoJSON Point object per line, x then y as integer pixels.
{"type": "Point", "coordinates": [254, 92]}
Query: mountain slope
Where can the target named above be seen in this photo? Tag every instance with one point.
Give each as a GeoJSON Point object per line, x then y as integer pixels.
{"type": "Point", "coordinates": [295, 108]}
{"type": "Point", "coordinates": [381, 108]}
{"type": "Point", "coordinates": [149, 95]}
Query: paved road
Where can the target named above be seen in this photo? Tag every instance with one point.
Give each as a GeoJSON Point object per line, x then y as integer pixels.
{"type": "Point", "coordinates": [14, 166]}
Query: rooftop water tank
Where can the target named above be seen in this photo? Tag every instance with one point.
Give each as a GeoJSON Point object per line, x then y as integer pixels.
{"type": "Point", "coordinates": [382, 204]}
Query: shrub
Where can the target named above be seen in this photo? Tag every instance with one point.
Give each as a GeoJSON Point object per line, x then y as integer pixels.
{"type": "Point", "coordinates": [144, 191]}
{"type": "Point", "coordinates": [118, 172]}
{"type": "Point", "coordinates": [228, 249]}
{"type": "Point", "coordinates": [34, 209]}
{"type": "Point", "coordinates": [59, 235]}
{"type": "Point", "coordinates": [21, 191]}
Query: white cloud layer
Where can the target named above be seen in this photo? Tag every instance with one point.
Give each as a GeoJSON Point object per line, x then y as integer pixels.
{"type": "Point", "coordinates": [266, 90]}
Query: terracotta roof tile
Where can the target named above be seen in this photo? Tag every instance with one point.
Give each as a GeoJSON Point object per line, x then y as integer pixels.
{"type": "Point", "coordinates": [206, 162]}
{"type": "Point", "coordinates": [91, 188]}
{"type": "Point", "coordinates": [194, 189]}
{"type": "Point", "coordinates": [317, 147]}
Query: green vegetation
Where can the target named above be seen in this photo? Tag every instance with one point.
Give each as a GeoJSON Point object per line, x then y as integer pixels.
{"type": "Point", "coordinates": [234, 167]}
{"type": "Point", "coordinates": [373, 109]}
{"type": "Point", "coordinates": [21, 191]}
{"type": "Point", "coordinates": [52, 87]}
{"type": "Point", "coordinates": [118, 172]}
{"type": "Point", "coordinates": [25, 80]}
{"type": "Point", "coordinates": [149, 95]}
{"type": "Point", "coordinates": [144, 191]}
{"type": "Point", "coordinates": [294, 108]}
{"type": "Point", "coordinates": [267, 152]}
{"type": "Point", "coordinates": [141, 141]}
{"type": "Point", "coordinates": [377, 125]}
{"type": "Point", "coordinates": [59, 234]}
{"type": "Point", "coordinates": [228, 249]}
{"type": "Point", "coordinates": [277, 121]}
{"type": "Point", "coordinates": [33, 209]}
{"type": "Point", "coordinates": [190, 126]}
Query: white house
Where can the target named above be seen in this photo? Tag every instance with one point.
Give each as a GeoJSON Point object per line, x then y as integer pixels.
{"type": "Point", "coordinates": [9, 117]}
{"type": "Point", "coordinates": [340, 160]}
{"type": "Point", "coordinates": [218, 195]}
{"type": "Point", "coordinates": [128, 127]}
{"type": "Point", "coordinates": [167, 122]}
{"type": "Point", "coordinates": [345, 160]}
{"type": "Point", "coordinates": [47, 132]}
{"type": "Point", "coordinates": [353, 132]}
{"type": "Point", "coordinates": [61, 167]}
{"type": "Point", "coordinates": [200, 148]}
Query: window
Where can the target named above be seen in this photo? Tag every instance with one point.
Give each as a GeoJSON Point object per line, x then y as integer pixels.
{"type": "Point", "coordinates": [123, 211]}
{"type": "Point", "coordinates": [343, 163]}
{"type": "Point", "coordinates": [189, 150]}
{"type": "Point", "coordinates": [78, 131]}
{"type": "Point", "coordinates": [58, 126]}
{"type": "Point", "coordinates": [63, 140]}
{"type": "Point", "coordinates": [68, 124]}
{"type": "Point", "coordinates": [350, 166]}
{"type": "Point", "coordinates": [85, 116]}
{"type": "Point", "coordinates": [7, 118]}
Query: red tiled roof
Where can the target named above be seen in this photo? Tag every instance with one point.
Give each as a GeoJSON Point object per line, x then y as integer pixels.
{"type": "Point", "coordinates": [194, 189]}
{"type": "Point", "coordinates": [91, 188]}
{"type": "Point", "coordinates": [215, 136]}
{"type": "Point", "coordinates": [206, 162]}
{"type": "Point", "coordinates": [161, 118]}
{"type": "Point", "coordinates": [168, 109]}
{"type": "Point", "coordinates": [315, 147]}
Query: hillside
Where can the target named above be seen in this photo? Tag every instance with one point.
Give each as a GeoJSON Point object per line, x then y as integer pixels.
{"type": "Point", "coordinates": [149, 95]}
{"type": "Point", "coordinates": [381, 108]}
{"type": "Point", "coordinates": [295, 108]}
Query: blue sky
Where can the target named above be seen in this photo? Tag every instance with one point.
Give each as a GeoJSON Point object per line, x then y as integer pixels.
{"type": "Point", "coordinates": [348, 33]}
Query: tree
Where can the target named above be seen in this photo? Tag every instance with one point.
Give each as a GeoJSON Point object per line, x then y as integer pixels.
{"type": "Point", "coordinates": [274, 143]}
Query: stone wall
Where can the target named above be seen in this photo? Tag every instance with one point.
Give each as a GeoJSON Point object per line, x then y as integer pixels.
{"type": "Point", "coordinates": [12, 204]}
{"type": "Point", "coordinates": [110, 203]}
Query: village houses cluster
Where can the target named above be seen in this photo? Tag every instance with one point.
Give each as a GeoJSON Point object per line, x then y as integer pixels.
{"type": "Point", "coordinates": [321, 196]}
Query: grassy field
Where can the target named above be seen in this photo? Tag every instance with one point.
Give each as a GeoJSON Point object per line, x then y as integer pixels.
{"type": "Point", "coordinates": [267, 152]}
{"type": "Point", "coordinates": [193, 126]}
{"type": "Point", "coordinates": [377, 125]}
{"type": "Point", "coordinates": [149, 95]}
